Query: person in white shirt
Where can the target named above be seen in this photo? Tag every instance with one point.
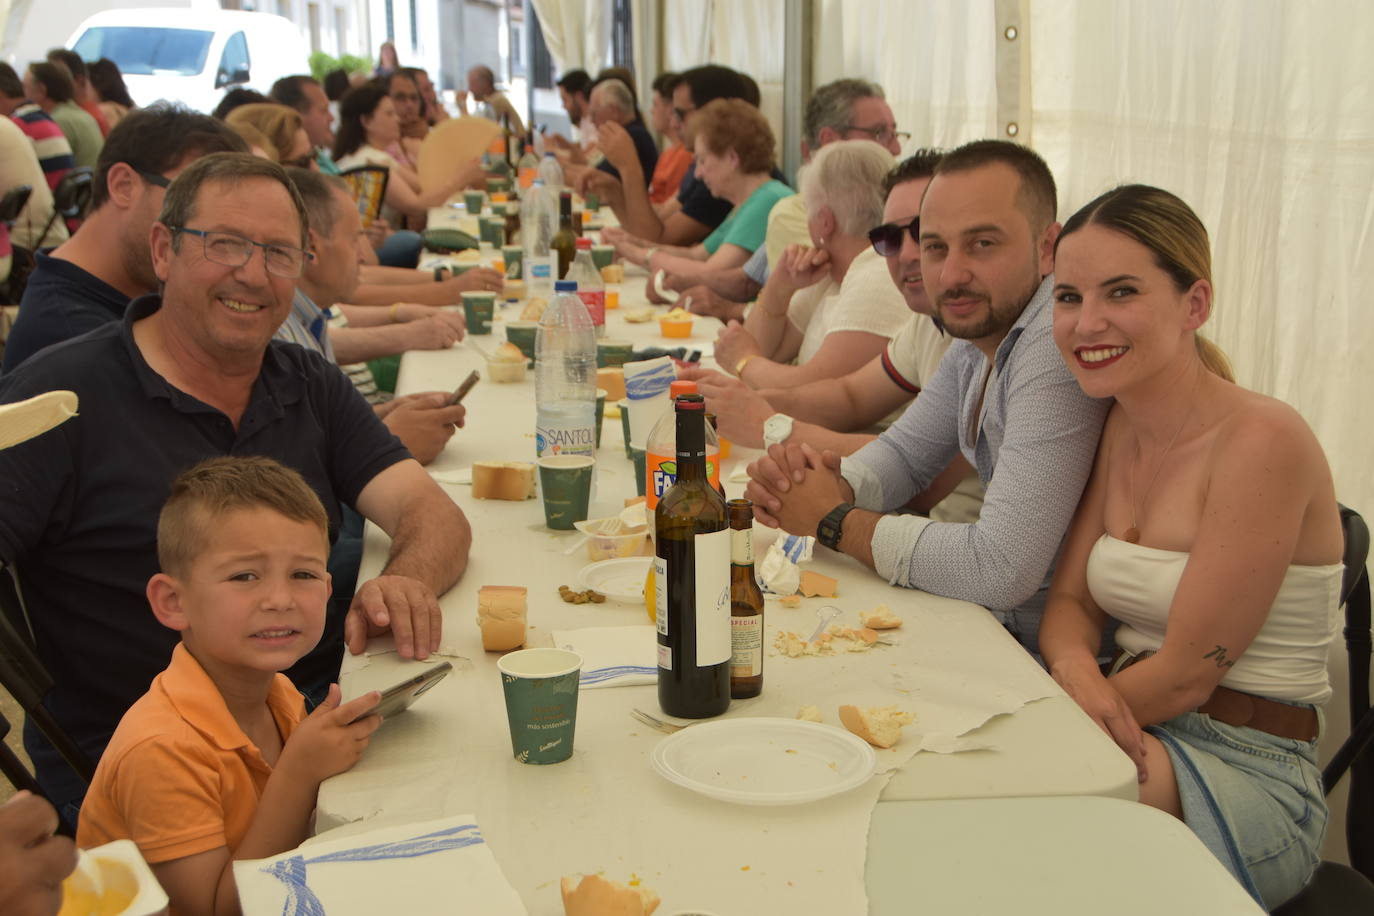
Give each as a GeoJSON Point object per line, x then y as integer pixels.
{"type": "Point", "coordinates": [831, 307]}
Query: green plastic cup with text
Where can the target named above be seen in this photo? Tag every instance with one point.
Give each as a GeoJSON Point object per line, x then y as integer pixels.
{"type": "Point", "coordinates": [602, 255]}
{"type": "Point", "coordinates": [540, 687]}
{"type": "Point", "coordinates": [513, 256]}
{"type": "Point", "coordinates": [479, 308]}
{"type": "Point", "coordinates": [612, 353]}
{"type": "Point", "coordinates": [565, 482]}
{"type": "Point", "coordinates": [523, 335]}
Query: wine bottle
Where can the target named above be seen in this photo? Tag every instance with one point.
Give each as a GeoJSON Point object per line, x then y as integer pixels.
{"type": "Point", "coordinates": [564, 242]}
{"type": "Point", "coordinates": [746, 605]}
{"type": "Point", "coordinates": [692, 579]}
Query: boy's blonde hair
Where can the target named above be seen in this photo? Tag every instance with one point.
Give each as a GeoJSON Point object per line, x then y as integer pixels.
{"type": "Point", "coordinates": [220, 485]}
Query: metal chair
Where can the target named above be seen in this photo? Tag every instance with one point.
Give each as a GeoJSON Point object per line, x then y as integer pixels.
{"type": "Point", "coordinates": [70, 199]}
{"type": "Point", "coordinates": [23, 675]}
{"type": "Point", "coordinates": [1335, 889]}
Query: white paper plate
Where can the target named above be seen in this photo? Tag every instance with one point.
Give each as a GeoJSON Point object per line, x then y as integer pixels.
{"type": "Point", "coordinates": [764, 761]}
{"type": "Point", "coordinates": [620, 580]}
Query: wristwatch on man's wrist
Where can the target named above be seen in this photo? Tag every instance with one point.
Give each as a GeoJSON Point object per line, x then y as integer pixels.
{"type": "Point", "coordinates": [830, 528]}
{"type": "Point", "coordinates": [776, 429]}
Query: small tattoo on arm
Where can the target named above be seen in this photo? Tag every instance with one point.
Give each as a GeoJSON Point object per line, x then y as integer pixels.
{"type": "Point", "coordinates": [1219, 654]}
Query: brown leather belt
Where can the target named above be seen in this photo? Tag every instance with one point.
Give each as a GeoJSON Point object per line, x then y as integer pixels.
{"type": "Point", "coordinates": [1236, 708]}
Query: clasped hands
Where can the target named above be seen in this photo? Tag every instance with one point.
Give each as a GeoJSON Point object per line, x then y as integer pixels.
{"type": "Point", "coordinates": [794, 486]}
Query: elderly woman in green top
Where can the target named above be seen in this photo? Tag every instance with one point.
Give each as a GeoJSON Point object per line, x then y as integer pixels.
{"type": "Point", "coordinates": [735, 154]}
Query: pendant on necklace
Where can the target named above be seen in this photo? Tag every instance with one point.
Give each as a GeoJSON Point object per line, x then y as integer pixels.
{"type": "Point", "coordinates": [1132, 535]}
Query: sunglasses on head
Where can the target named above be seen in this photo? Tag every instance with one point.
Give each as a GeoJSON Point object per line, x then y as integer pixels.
{"type": "Point", "coordinates": [887, 238]}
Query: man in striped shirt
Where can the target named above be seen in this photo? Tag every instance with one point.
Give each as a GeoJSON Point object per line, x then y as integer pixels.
{"type": "Point", "coordinates": [54, 152]}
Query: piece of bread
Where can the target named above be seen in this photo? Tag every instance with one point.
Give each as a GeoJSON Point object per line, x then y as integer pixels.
{"type": "Point", "coordinates": [790, 600]}
{"type": "Point", "coordinates": [512, 480]}
{"type": "Point", "coordinates": [640, 315]}
{"type": "Point", "coordinates": [880, 726]}
{"type": "Point", "coordinates": [514, 289]}
{"type": "Point", "coordinates": [501, 616]}
{"type": "Point", "coordinates": [613, 273]}
{"type": "Point", "coordinates": [880, 618]}
{"type": "Point", "coordinates": [534, 308]}
{"type": "Point", "coordinates": [809, 713]}
{"type": "Point", "coordinates": [815, 585]}
{"type": "Point", "coordinates": [612, 379]}
{"type": "Point", "coordinates": [508, 353]}
{"type": "Point", "coordinates": [593, 895]}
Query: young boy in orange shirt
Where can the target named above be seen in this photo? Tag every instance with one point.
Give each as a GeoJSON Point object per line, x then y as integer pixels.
{"type": "Point", "coordinates": [217, 761]}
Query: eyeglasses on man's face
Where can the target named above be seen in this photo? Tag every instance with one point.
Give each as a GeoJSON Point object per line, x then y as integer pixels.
{"type": "Point", "coordinates": [153, 178]}
{"type": "Point", "coordinates": [235, 251]}
{"type": "Point", "coordinates": [887, 238]}
{"type": "Point", "coordinates": [883, 135]}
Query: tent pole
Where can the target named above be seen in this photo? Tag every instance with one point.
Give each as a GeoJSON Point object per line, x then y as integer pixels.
{"type": "Point", "coordinates": [796, 80]}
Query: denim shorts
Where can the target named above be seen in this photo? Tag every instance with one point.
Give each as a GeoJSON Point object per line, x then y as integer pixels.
{"type": "Point", "coordinates": [1254, 799]}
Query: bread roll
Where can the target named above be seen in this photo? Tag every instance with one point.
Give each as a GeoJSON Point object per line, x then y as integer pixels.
{"type": "Point", "coordinates": [593, 895]}
{"type": "Point", "coordinates": [501, 616]}
{"type": "Point", "coordinates": [880, 618]}
{"type": "Point", "coordinates": [534, 308]}
{"type": "Point", "coordinates": [880, 726]}
{"type": "Point", "coordinates": [512, 480]}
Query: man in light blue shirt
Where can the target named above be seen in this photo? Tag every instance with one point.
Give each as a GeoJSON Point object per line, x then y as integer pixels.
{"type": "Point", "coordinates": [1002, 397]}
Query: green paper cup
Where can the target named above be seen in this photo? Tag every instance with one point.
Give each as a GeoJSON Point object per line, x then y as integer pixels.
{"type": "Point", "coordinates": [472, 202]}
{"type": "Point", "coordinates": [600, 412]}
{"type": "Point", "coordinates": [514, 258]}
{"type": "Point", "coordinates": [641, 480]}
{"type": "Point", "coordinates": [478, 308]}
{"type": "Point", "coordinates": [541, 702]}
{"type": "Point", "coordinates": [493, 230]}
{"type": "Point", "coordinates": [624, 405]}
{"type": "Point", "coordinates": [565, 481]}
{"type": "Point", "coordinates": [602, 254]}
{"type": "Point", "coordinates": [613, 353]}
{"type": "Point", "coordinates": [523, 334]}
{"type": "Point", "coordinates": [592, 201]}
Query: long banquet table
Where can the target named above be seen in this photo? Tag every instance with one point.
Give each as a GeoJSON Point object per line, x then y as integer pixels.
{"type": "Point", "coordinates": [605, 810]}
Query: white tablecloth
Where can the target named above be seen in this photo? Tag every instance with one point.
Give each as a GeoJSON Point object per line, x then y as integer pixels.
{"type": "Point", "coordinates": [605, 810]}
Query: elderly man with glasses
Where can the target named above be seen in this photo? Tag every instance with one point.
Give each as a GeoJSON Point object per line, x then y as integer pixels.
{"type": "Point", "coordinates": [88, 280]}
{"type": "Point", "coordinates": [191, 373]}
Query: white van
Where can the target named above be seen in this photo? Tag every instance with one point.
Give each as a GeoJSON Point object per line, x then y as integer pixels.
{"type": "Point", "coordinates": [192, 56]}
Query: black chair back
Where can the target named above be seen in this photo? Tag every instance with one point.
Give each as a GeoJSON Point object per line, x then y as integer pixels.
{"type": "Point", "coordinates": [23, 675]}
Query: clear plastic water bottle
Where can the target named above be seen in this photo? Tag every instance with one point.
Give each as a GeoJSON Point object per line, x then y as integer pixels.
{"type": "Point", "coordinates": [592, 291]}
{"type": "Point", "coordinates": [565, 377]}
{"type": "Point", "coordinates": [551, 172]}
{"type": "Point", "coordinates": [538, 224]}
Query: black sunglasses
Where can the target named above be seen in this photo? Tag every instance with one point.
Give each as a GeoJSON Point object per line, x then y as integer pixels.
{"type": "Point", "coordinates": [887, 238]}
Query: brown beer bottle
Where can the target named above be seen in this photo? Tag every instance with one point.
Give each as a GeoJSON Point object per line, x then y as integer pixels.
{"type": "Point", "coordinates": [692, 579]}
{"type": "Point", "coordinates": [564, 242]}
{"type": "Point", "coordinates": [746, 605]}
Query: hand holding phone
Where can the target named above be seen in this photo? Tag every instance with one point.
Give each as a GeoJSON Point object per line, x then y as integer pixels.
{"type": "Point", "coordinates": [398, 697]}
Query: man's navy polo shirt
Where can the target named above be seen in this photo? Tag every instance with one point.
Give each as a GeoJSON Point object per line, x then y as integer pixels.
{"type": "Point", "coordinates": [645, 147]}
{"type": "Point", "coordinates": [79, 504]}
{"type": "Point", "coordinates": [701, 205]}
{"type": "Point", "coordinates": [61, 301]}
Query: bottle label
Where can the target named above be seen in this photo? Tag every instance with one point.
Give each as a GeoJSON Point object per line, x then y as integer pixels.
{"type": "Point", "coordinates": [662, 474]}
{"type": "Point", "coordinates": [554, 438]}
{"type": "Point", "coordinates": [665, 657]}
{"type": "Point", "coordinates": [595, 301]}
{"type": "Point", "coordinates": [746, 645]}
{"type": "Point", "coordinates": [661, 601]}
{"type": "Point", "coordinates": [742, 546]}
{"type": "Point", "coordinates": [541, 269]}
{"type": "Point", "coordinates": [713, 597]}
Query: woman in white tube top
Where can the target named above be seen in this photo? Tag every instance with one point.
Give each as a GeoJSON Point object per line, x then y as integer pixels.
{"type": "Point", "coordinates": [1210, 531]}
